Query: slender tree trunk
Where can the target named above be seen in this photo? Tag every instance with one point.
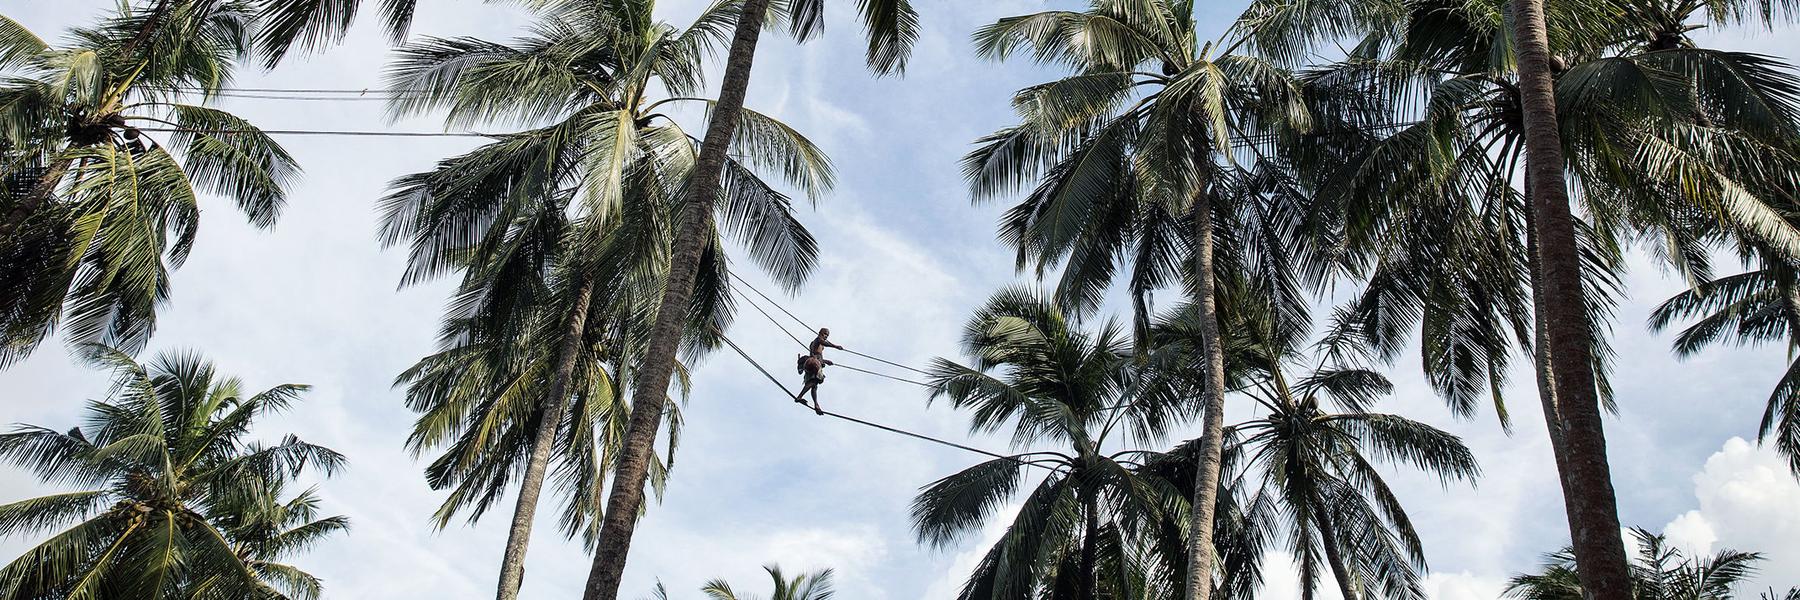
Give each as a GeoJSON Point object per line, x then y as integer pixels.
{"type": "Point", "coordinates": [28, 205]}
{"type": "Point", "coordinates": [1335, 558]}
{"type": "Point", "coordinates": [1587, 478]}
{"type": "Point", "coordinates": [1206, 479]}
{"type": "Point", "coordinates": [651, 388]}
{"type": "Point", "coordinates": [512, 564]}
{"type": "Point", "coordinates": [1540, 346]}
{"type": "Point", "coordinates": [1090, 581]}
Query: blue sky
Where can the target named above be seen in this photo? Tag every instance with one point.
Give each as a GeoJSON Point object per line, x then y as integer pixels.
{"type": "Point", "coordinates": [907, 256]}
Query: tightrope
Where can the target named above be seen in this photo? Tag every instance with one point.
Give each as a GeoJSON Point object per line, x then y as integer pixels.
{"type": "Point", "coordinates": [784, 390]}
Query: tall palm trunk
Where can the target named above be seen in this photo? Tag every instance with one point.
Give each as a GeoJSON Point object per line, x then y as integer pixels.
{"type": "Point", "coordinates": [512, 564]}
{"type": "Point", "coordinates": [28, 205]}
{"type": "Point", "coordinates": [1333, 556]}
{"type": "Point", "coordinates": [1540, 345]}
{"type": "Point", "coordinates": [651, 388]}
{"type": "Point", "coordinates": [1206, 480]}
{"type": "Point", "coordinates": [1587, 478]}
{"type": "Point", "coordinates": [1090, 580]}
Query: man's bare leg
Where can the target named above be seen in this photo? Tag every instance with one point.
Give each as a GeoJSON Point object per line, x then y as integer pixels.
{"type": "Point", "coordinates": [816, 407]}
{"type": "Point", "coordinates": [810, 387]}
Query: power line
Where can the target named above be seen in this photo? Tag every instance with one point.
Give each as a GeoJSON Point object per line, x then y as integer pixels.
{"type": "Point", "coordinates": [803, 325]}
{"type": "Point", "coordinates": [389, 95]}
{"type": "Point", "coordinates": [920, 436]}
{"type": "Point", "coordinates": [203, 90]}
{"type": "Point", "coordinates": [899, 379]}
{"type": "Point", "coordinates": [418, 134]}
{"type": "Point", "coordinates": [790, 315]}
{"type": "Point", "coordinates": [802, 344]}
{"type": "Point", "coordinates": [389, 98]}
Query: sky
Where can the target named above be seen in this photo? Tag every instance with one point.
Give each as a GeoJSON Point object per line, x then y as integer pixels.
{"type": "Point", "coordinates": [906, 258]}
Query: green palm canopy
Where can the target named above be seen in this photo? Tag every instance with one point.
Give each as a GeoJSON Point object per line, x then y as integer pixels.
{"type": "Point", "coordinates": [96, 210]}
{"type": "Point", "coordinates": [1660, 572]}
{"type": "Point", "coordinates": [1083, 525]}
{"type": "Point", "coordinates": [171, 499]}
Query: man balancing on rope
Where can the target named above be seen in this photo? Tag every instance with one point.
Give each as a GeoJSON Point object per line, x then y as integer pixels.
{"type": "Point", "coordinates": [813, 367]}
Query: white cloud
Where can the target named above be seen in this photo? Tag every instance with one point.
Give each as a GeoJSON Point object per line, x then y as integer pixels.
{"type": "Point", "coordinates": [1463, 585]}
{"type": "Point", "coordinates": [1747, 502]}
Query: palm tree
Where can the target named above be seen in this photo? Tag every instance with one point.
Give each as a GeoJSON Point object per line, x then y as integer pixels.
{"type": "Point", "coordinates": [1319, 466]}
{"type": "Point", "coordinates": [891, 26]}
{"type": "Point", "coordinates": [1660, 573]}
{"type": "Point", "coordinates": [1568, 338]}
{"type": "Point", "coordinates": [1049, 382]}
{"type": "Point", "coordinates": [1649, 155]}
{"type": "Point", "coordinates": [561, 233]}
{"type": "Point", "coordinates": [489, 407]}
{"type": "Point", "coordinates": [1568, 333]}
{"type": "Point", "coordinates": [1125, 155]}
{"type": "Point", "coordinates": [97, 210]}
{"type": "Point", "coordinates": [173, 501]}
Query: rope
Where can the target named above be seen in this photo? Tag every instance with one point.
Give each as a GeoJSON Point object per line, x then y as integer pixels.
{"type": "Point", "coordinates": [371, 90]}
{"type": "Point", "coordinates": [251, 96]}
{"type": "Point", "coordinates": [889, 362]}
{"type": "Point", "coordinates": [899, 379]}
{"type": "Point", "coordinates": [784, 390]}
{"type": "Point", "coordinates": [772, 301]}
{"type": "Point", "coordinates": [802, 344]}
{"type": "Point", "coordinates": [807, 327]}
{"type": "Point", "coordinates": [316, 132]}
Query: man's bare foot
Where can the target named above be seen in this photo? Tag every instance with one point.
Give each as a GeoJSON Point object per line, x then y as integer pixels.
{"type": "Point", "coordinates": [800, 399]}
{"type": "Point", "coordinates": [816, 409]}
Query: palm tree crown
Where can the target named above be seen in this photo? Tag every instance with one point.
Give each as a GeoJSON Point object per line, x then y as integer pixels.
{"type": "Point", "coordinates": [1050, 383]}
{"type": "Point", "coordinates": [96, 210]}
{"type": "Point", "coordinates": [1661, 572]}
{"type": "Point", "coordinates": [173, 501]}
{"type": "Point", "coordinates": [1320, 465]}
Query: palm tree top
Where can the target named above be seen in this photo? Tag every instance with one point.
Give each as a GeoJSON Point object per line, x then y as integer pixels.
{"type": "Point", "coordinates": [173, 500]}
{"type": "Point", "coordinates": [1036, 369]}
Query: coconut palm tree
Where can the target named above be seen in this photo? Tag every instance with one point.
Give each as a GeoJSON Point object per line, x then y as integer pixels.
{"type": "Point", "coordinates": [562, 235]}
{"type": "Point", "coordinates": [488, 406]}
{"type": "Point", "coordinates": [1319, 465]}
{"type": "Point", "coordinates": [98, 209]}
{"type": "Point", "coordinates": [891, 27]}
{"type": "Point", "coordinates": [1722, 159]}
{"type": "Point", "coordinates": [1037, 374]}
{"type": "Point", "coordinates": [1661, 572]}
{"type": "Point", "coordinates": [1647, 153]}
{"type": "Point", "coordinates": [1132, 160]}
{"type": "Point", "coordinates": [173, 502]}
